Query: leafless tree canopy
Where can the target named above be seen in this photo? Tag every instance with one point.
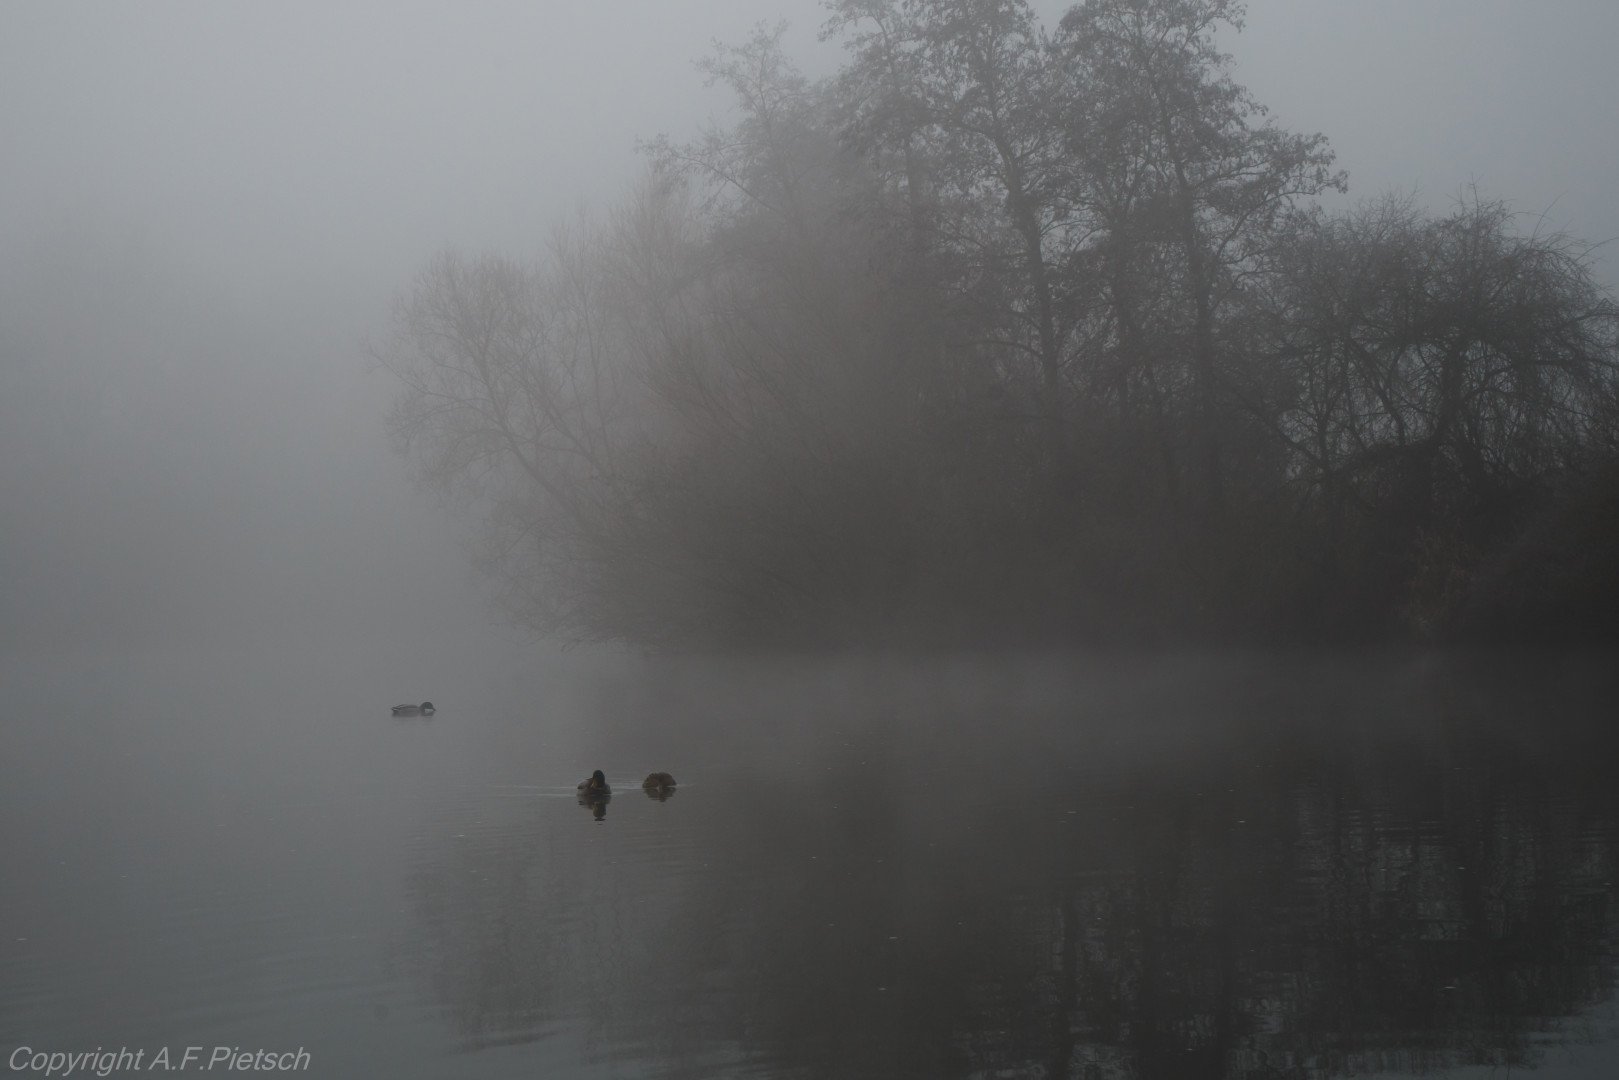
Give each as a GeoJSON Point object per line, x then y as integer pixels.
{"type": "Point", "coordinates": [1009, 330]}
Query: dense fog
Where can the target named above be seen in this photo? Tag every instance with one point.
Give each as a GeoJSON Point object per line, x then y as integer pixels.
{"type": "Point", "coordinates": [1092, 531]}
{"type": "Point", "coordinates": [206, 214]}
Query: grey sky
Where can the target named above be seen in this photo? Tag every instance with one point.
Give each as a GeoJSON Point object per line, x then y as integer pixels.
{"type": "Point", "coordinates": [1520, 98]}
{"type": "Point", "coordinates": [320, 139]}
{"type": "Point", "coordinates": [205, 208]}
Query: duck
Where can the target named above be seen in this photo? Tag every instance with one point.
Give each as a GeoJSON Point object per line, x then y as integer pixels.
{"type": "Point", "coordinates": [424, 709]}
{"type": "Point", "coordinates": [658, 785]}
{"type": "Point", "coordinates": [595, 787]}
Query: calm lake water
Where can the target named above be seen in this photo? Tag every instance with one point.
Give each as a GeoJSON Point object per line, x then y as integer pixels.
{"type": "Point", "coordinates": [1237, 865]}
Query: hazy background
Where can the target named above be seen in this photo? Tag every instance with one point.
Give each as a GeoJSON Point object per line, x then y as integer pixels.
{"type": "Point", "coordinates": [206, 210]}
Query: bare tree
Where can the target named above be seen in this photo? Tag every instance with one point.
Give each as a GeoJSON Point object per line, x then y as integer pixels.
{"type": "Point", "coordinates": [785, 393]}
{"type": "Point", "coordinates": [1442, 375]}
{"type": "Point", "coordinates": [512, 399]}
{"type": "Point", "coordinates": [960, 95]}
{"type": "Point", "coordinates": [1187, 184]}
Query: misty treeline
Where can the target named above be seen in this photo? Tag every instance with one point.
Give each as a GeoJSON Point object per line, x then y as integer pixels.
{"type": "Point", "coordinates": [1007, 330]}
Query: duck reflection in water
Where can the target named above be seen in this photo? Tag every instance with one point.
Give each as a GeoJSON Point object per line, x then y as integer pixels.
{"type": "Point", "coordinates": [659, 786]}
{"type": "Point", "coordinates": [596, 794]}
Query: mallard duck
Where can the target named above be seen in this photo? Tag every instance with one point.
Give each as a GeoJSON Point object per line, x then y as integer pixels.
{"type": "Point", "coordinates": [658, 785]}
{"type": "Point", "coordinates": [595, 794]}
{"type": "Point", "coordinates": [424, 709]}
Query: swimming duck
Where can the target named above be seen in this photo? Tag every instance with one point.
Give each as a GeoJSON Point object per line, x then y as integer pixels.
{"type": "Point", "coordinates": [424, 709]}
{"type": "Point", "coordinates": [658, 785]}
{"type": "Point", "coordinates": [595, 794]}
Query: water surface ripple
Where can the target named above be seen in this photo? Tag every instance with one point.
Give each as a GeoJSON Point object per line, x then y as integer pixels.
{"type": "Point", "coordinates": [1257, 866]}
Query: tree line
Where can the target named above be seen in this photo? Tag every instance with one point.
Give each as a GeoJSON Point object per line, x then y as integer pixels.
{"type": "Point", "coordinates": [1007, 331]}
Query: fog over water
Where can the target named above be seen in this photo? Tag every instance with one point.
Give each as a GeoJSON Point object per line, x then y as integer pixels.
{"type": "Point", "coordinates": [216, 575]}
{"type": "Point", "coordinates": [1212, 867]}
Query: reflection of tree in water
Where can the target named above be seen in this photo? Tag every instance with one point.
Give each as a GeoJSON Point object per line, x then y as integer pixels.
{"type": "Point", "coordinates": [1323, 928]}
{"type": "Point", "coordinates": [1306, 906]}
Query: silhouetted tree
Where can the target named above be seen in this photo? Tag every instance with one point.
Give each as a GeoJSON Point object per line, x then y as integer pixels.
{"type": "Point", "coordinates": [1187, 186]}
{"type": "Point", "coordinates": [1442, 376]}
{"type": "Point", "coordinates": [513, 402]}
{"type": "Point", "coordinates": [786, 392]}
{"type": "Point", "coordinates": [961, 98]}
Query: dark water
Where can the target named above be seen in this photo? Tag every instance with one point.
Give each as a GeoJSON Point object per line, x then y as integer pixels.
{"type": "Point", "coordinates": [1194, 866]}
